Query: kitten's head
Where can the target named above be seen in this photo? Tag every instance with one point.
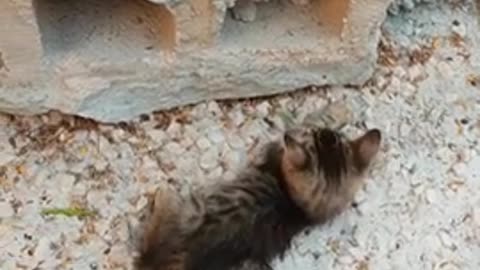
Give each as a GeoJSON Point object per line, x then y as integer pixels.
{"type": "Point", "coordinates": [320, 164]}
{"type": "Point", "coordinates": [327, 152]}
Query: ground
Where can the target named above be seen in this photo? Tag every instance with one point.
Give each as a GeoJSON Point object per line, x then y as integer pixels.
{"type": "Point", "coordinates": [71, 191]}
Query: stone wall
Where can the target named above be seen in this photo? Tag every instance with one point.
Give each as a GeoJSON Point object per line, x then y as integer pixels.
{"type": "Point", "coordinates": [112, 60]}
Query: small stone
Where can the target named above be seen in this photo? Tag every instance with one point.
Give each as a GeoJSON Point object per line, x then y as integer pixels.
{"type": "Point", "coordinates": [118, 256]}
{"type": "Point", "coordinates": [118, 134]}
{"type": "Point", "coordinates": [431, 196]}
{"type": "Point", "coordinates": [445, 69]}
{"type": "Point", "coordinates": [381, 82]}
{"type": "Point", "coordinates": [7, 154]}
{"type": "Point", "coordinates": [100, 164]}
{"type": "Point", "coordinates": [395, 84]}
{"type": "Point", "coordinates": [203, 143]}
{"type": "Point", "coordinates": [209, 159]}
{"type": "Point", "coordinates": [186, 142]}
{"type": "Point", "coordinates": [460, 29]}
{"type": "Point", "coordinates": [157, 135]}
{"type": "Point", "coordinates": [237, 116]}
{"type": "Point", "coordinates": [215, 174]}
{"type": "Point", "coordinates": [216, 136]}
{"type": "Point", "coordinates": [64, 181]}
{"type": "Point", "coordinates": [191, 132]}
{"type": "Point", "coordinates": [345, 260]}
{"type": "Point", "coordinates": [174, 130]}
{"type": "Point", "coordinates": [235, 142]}
{"type": "Point", "coordinates": [174, 148]}
{"type": "Point", "coordinates": [460, 169]}
{"type": "Point", "coordinates": [79, 189]}
{"type": "Point", "coordinates": [6, 210]}
{"type": "Point", "coordinates": [335, 116]}
{"type": "Point", "coordinates": [234, 159]}
{"type": "Point", "coordinates": [405, 129]}
{"type": "Point", "coordinates": [213, 108]}
{"type": "Point", "coordinates": [43, 248]}
{"type": "Point", "coordinates": [399, 72]}
{"type": "Point", "coordinates": [263, 109]}
{"type": "Point", "coordinates": [476, 216]}
{"type": "Point", "coordinates": [199, 111]}
{"type": "Point", "coordinates": [414, 72]}
{"type": "Point", "coordinates": [446, 239]}
{"type": "Point", "coordinates": [445, 155]}
{"type": "Point", "coordinates": [55, 117]}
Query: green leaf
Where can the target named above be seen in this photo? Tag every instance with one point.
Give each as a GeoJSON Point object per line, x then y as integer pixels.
{"type": "Point", "coordinates": [69, 212]}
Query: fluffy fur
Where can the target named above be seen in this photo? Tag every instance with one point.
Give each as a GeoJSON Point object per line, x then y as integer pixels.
{"type": "Point", "coordinates": [302, 181]}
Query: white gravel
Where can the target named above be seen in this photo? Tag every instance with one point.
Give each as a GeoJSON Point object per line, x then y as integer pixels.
{"type": "Point", "coordinates": [419, 210]}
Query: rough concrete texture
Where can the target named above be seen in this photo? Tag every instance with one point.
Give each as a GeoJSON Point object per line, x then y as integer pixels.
{"type": "Point", "coordinates": [419, 210]}
{"type": "Point", "coordinates": [115, 59]}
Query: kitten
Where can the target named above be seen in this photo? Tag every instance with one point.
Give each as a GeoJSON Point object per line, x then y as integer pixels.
{"type": "Point", "coordinates": [302, 181]}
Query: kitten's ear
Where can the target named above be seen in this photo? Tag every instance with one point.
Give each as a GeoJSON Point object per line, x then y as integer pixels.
{"type": "Point", "coordinates": [366, 147]}
{"type": "Point", "coordinates": [294, 153]}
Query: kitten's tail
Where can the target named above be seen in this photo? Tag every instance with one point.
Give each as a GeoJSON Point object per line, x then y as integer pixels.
{"type": "Point", "coordinates": [160, 244]}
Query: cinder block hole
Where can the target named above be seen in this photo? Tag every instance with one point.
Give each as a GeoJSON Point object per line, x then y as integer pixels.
{"type": "Point", "coordinates": [112, 30]}
{"type": "Point", "coordinates": [281, 24]}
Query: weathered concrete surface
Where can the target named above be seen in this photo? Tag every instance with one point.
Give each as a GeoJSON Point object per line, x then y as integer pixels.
{"type": "Point", "coordinates": [113, 60]}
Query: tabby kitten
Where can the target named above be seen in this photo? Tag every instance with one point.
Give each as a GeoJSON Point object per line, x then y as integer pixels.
{"type": "Point", "coordinates": [302, 181]}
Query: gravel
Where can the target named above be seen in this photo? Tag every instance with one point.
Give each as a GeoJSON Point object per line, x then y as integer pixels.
{"type": "Point", "coordinates": [419, 209]}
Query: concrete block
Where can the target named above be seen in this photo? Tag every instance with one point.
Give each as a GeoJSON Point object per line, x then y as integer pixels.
{"type": "Point", "coordinates": [112, 60]}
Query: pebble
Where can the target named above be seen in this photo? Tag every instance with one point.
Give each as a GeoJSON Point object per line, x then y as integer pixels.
{"type": "Point", "coordinates": [263, 109]}
{"type": "Point", "coordinates": [203, 143]}
{"type": "Point", "coordinates": [476, 216]}
{"type": "Point", "coordinates": [235, 159]}
{"type": "Point", "coordinates": [335, 116]}
{"type": "Point", "coordinates": [395, 84]}
{"type": "Point", "coordinates": [446, 239]}
{"type": "Point", "coordinates": [237, 116]}
{"type": "Point", "coordinates": [7, 153]}
{"type": "Point", "coordinates": [213, 108]}
{"type": "Point", "coordinates": [431, 196]}
{"type": "Point", "coordinates": [345, 260]}
{"type": "Point", "coordinates": [100, 164]}
{"type": "Point", "coordinates": [209, 159]}
{"type": "Point", "coordinates": [460, 29]}
{"type": "Point", "coordinates": [414, 72]}
{"type": "Point", "coordinates": [235, 142]}
{"type": "Point", "coordinates": [215, 174]}
{"type": "Point", "coordinates": [6, 210]}
{"type": "Point", "coordinates": [158, 136]}
{"type": "Point", "coordinates": [445, 69]}
{"type": "Point", "coordinates": [399, 72]}
{"type": "Point", "coordinates": [64, 181]}
{"type": "Point", "coordinates": [174, 148]}
{"type": "Point", "coordinates": [460, 169]}
{"type": "Point", "coordinates": [174, 130]}
{"type": "Point", "coordinates": [216, 136]}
